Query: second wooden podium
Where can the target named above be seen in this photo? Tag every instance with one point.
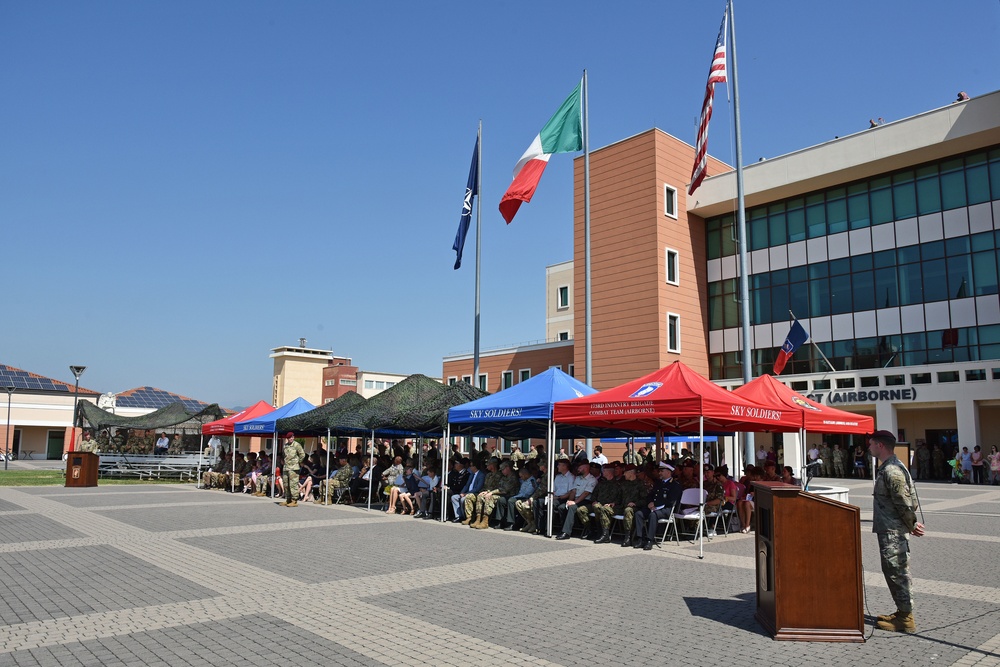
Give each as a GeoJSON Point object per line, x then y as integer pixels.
{"type": "Point", "coordinates": [808, 552]}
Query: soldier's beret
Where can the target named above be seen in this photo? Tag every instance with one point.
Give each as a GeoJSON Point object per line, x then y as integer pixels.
{"type": "Point", "coordinates": [629, 466]}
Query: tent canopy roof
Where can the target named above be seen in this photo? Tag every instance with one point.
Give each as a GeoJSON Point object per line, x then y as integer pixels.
{"type": "Point", "coordinates": [816, 417]}
{"type": "Point", "coordinates": [432, 416]}
{"type": "Point", "coordinates": [322, 419]}
{"type": "Point", "coordinates": [266, 423]}
{"type": "Point", "coordinates": [673, 399]}
{"type": "Point", "coordinates": [225, 426]}
{"type": "Point", "coordinates": [174, 414]}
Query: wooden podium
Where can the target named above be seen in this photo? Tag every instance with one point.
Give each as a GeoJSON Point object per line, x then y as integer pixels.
{"type": "Point", "coordinates": [81, 469]}
{"type": "Point", "coordinates": [809, 585]}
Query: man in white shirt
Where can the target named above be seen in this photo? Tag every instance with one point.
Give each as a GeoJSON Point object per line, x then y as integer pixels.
{"type": "Point", "coordinates": [162, 444]}
{"type": "Point", "coordinates": [599, 456]}
{"type": "Point", "coordinates": [583, 486]}
{"type": "Point", "coordinates": [562, 490]}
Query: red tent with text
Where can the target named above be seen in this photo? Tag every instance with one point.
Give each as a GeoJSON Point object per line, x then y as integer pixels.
{"type": "Point", "coordinates": [226, 426]}
{"type": "Point", "coordinates": [816, 417]}
{"type": "Point", "coordinates": [675, 399]}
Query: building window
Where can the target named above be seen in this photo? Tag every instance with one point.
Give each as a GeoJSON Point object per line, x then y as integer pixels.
{"type": "Point", "coordinates": [670, 201]}
{"type": "Point", "coordinates": [673, 276]}
{"type": "Point", "coordinates": [571, 370]}
{"type": "Point", "coordinates": [507, 379]}
{"type": "Point", "coordinates": [484, 381]}
{"type": "Point", "coordinates": [452, 381]}
{"type": "Point", "coordinates": [524, 374]}
{"type": "Point", "coordinates": [563, 335]}
{"type": "Point", "coordinates": [467, 379]}
{"type": "Point", "coordinates": [380, 384]}
{"type": "Point", "coordinates": [330, 383]}
{"type": "Point", "coordinates": [348, 383]}
{"type": "Point", "coordinates": [562, 297]}
{"type": "Point", "coordinates": [327, 400]}
{"type": "Point", "coordinates": [369, 384]}
{"type": "Point", "coordinates": [673, 333]}
{"type": "Point", "coordinates": [559, 366]}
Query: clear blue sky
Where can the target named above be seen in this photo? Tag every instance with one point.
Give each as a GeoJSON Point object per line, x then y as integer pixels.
{"type": "Point", "coordinates": [185, 185]}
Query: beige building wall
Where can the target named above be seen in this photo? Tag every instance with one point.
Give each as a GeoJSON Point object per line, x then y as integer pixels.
{"type": "Point", "coordinates": [298, 371]}
{"type": "Point", "coordinates": [371, 383]}
{"type": "Point", "coordinates": [559, 316]}
{"type": "Point", "coordinates": [631, 231]}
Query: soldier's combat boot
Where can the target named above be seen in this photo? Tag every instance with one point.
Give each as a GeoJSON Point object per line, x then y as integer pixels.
{"type": "Point", "coordinates": [886, 617]}
{"type": "Point", "coordinates": [283, 503]}
{"type": "Point", "coordinates": [467, 520]}
{"type": "Point", "coordinates": [628, 541]}
{"type": "Point", "coordinates": [899, 622]}
{"type": "Point", "coordinates": [528, 527]}
{"type": "Point", "coordinates": [605, 538]}
{"type": "Point", "coordinates": [482, 524]}
{"type": "Point", "coordinates": [294, 503]}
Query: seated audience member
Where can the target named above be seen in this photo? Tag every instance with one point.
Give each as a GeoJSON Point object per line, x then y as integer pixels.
{"type": "Point", "coordinates": [429, 485]}
{"type": "Point", "coordinates": [339, 480]}
{"type": "Point", "coordinates": [730, 488]}
{"type": "Point", "coordinates": [788, 475]}
{"type": "Point", "coordinates": [525, 490]}
{"type": "Point", "coordinates": [234, 474]}
{"type": "Point", "coordinates": [397, 488]}
{"type": "Point", "coordinates": [660, 502]}
{"type": "Point", "coordinates": [713, 487]}
{"type": "Point", "coordinates": [507, 486]}
{"type": "Point", "coordinates": [210, 478]}
{"type": "Point", "coordinates": [604, 500]}
{"type": "Point", "coordinates": [390, 475]}
{"type": "Point", "coordinates": [478, 507]}
{"type": "Point", "coordinates": [689, 474]}
{"type": "Point", "coordinates": [411, 480]}
{"type": "Point", "coordinates": [583, 487]}
{"type": "Point", "coordinates": [540, 473]}
{"type": "Point", "coordinates": [473, 485]}
{"type": "Point", "coordinates": [245, 481]}
{"type": "Point", "coordinates": [633, 498]}
{"type": "Point", "coordinates": [260, 476]}
{"type": "Point", "coordinates": [744, 502]}
{"type": "Point", "coordinates": [457, 477]}
{"type": "Point", "coordinates": [562, 491]}
{"type": "Point", "coordinates": [771, 471]}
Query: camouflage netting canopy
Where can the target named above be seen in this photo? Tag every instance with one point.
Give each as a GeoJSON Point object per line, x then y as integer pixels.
{"type": "Point", "coordinates": [432, 416]}
{"type": "Point", "coordinates": [320, 420]}
{"type": "Point", "coordinates": [379, 411]}
{"type": "Point", "coordinates": [174, 414]}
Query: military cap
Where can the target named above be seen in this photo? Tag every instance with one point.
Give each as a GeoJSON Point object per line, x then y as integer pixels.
{"type": "Point", "coordinates": [629, 466]}
{"type": "Point", "coordinates": [665, 466]}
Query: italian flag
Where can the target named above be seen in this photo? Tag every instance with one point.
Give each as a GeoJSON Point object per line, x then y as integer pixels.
{"type": "Point", "coordinates": [562, 134]}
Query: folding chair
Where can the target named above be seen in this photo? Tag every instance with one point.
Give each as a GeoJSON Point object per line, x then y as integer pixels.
{"type": "Point", "coordinates": [693, 498]}
{"type": "Point", "coordinates": [668, 522]}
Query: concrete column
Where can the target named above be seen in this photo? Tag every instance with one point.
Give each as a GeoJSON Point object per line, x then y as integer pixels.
{"type": "Point", "coordinates": [793, 454]}
{"type": "Point", "coordinates": [967, 417]}
{"type": "Point", "coordinates": [885, 417]}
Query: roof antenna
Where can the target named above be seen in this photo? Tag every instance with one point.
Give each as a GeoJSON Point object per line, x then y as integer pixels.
{"type": "Point", "coordinates": [302, 342]}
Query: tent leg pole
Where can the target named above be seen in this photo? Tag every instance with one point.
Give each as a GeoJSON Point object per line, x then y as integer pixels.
{"type": "Point", "coordinates": [201, 449]}
{"type": "Point", "coordinates": [550, 506]}
{"type": "Point", "coordinates": [326, 497]}
{"type": "Point", "coordinates": [371, 465]}
{"type": "Point", "coordinates": [701, 485]}
{"type": "Point", "coordinates": [445, 455]}
{"type": "Point", "coordinates": [274, 463]}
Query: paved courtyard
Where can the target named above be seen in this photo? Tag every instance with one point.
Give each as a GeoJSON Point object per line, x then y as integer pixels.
{"type": "Point", "coordinates": [173, 575]}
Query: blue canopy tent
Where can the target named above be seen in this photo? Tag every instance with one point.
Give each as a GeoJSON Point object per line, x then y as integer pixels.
{"type": "Point", "coordinates": [267, 423]}
{"type": "Point", "coordinates": [522, 411]}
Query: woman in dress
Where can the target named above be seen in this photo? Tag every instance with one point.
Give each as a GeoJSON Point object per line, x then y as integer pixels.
{"type": "Point", "coordinates": [977, 466]}
{"type": "Point", "coordinates": [994, 459]}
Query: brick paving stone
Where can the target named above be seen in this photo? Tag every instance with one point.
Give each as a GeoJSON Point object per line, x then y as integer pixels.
{"type": "Point", "coordinates": [7, 506]}
{"type": "Point", "coordinates": [16, 528]}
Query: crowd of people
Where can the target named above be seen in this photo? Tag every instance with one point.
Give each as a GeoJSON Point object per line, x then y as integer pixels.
{"type": "Point", "coordinates": [486, 490]}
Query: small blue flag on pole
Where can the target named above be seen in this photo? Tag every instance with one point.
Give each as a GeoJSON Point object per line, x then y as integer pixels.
{"type": "Point", "coordinates": [471, 191]}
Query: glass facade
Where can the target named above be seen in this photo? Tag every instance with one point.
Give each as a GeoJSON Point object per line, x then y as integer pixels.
{"type": "Point", "coordinates": [940, 270]}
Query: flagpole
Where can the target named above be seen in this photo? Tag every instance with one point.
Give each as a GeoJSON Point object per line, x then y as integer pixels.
{"type": "Point", "coordinates": [749, 451]}
{"type": "Point", "coordinates": [588, 359]}
{"type": "Point", "coordinates": [479, 248]}
{"type": "Point", "coordinates": [814, 344]}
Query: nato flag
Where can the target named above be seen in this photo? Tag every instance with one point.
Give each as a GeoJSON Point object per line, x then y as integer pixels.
{"type": "Point", "coordinates": [471, 191]}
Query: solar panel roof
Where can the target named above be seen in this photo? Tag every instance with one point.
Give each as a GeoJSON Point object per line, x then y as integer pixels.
{"type": "Point", "coordinates": [24, 381]}
{"type": "Point", "coordinates": [153, 398]}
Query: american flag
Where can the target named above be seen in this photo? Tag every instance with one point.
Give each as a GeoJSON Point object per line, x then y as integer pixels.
{"type": "Point", "coordinates": [716, 74]}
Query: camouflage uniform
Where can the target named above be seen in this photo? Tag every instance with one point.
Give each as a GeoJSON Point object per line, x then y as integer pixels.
{"type": "Point", "coordinates": [716, 496]}
{"type": "Point", "coordinates": [524, 506]}
{"type": "Point", "coordinates": [839, 457]}
{"type": "Point", "coordinates": [607, 492]}
{"type": "Point", "coordinates": [290, 470]}
{"type": "Point", "coordinates": [211, 478]}
{"type": "Point", "coordinates": [633, 458]}
{"type": "Point", "coordinates": [632, 491]}
{"type": "Point", "coordinates": [485, 501]}
{"type": "Point", "coordinates": [508, 486]}
{"type": "Point", "coordinates": [263, 482]}
{"type": "Point", "coordinates": [340, 480]}
{"type": "Point", "coordinates": [893, 518]}
{"type": "Point", "coordinates": [242, 468]}
{"type": "Point", "coordinates": [826, 454]}
{"type": "Point", "coordinates": [517, 458]}
{"type": "Point", "coordinates": [923, 462]}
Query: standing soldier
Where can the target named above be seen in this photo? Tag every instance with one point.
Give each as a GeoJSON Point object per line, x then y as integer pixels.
{"type": "Point", "coordinates": [633, 496]}
{"type": "Point", "coordinates": [631, 456]}
{"type": "Point", "coordinates": [290, 470]}
{"type": "Point", "coordinates": [894, 518]}
{"type": "Point", "coordinates": [937, 458]}
{"type": "Point", "coordinates": [923, 461]}
{"type": "Point", "coordinates": [826, 454]}
{"type": "Point", "coordinates": [606, 499]}
{"type": "Point", "coordinates": [839, 456]}
{"type": "Point", "coordinates": [516, 456]}
{"type": "Point", "coordinates": [86, 444]}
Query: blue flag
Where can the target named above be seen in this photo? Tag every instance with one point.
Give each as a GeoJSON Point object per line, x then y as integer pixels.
{"type": "Point", "coordinates": [471, 191]}
{"type": "Point", "coordinates": [797, 335]}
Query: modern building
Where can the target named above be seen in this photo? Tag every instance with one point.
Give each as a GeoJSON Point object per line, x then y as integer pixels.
{"type": "Point", "coordinates": [41, 413]}
{"type": "Point", "coordinates": [559, 318]}
{"type": "Point", "coordinates": [299, 372]}
{"type": "Point", "coordinates": [884, 244]}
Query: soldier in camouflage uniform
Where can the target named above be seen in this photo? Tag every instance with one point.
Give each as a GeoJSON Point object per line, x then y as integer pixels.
{"type": "Point", "coordinates": [894, 518]}
{"type": "Point", "coordinates": [826, 454]}
{"type": "Point", "coordinates": [633, 497]}
{"type": "Point", "coordinates": [517, 457]}
{"type": "Point", "coordinates": [524, 507]}
{"type": "Point", "coordinates": [86, 444]}
{"type": "Point", "coordinates": [633, 457]}
{"type": "Point", "coordinates": [340, 480]}
{"type": "Point", "coordinates": [488, 452]}
{"type": "Point", "coordinates": [210, 478]}
{"type": "Point", "coordinates": [604, 504]}
{"type": "Point", "coordinates": [839, 458]}
{"type": "Point", "coordinates": [498, 479]}
{"type": "Point", "coordinates": [234, 473]}
{"type": "Point", "coordinates": [290, 470]}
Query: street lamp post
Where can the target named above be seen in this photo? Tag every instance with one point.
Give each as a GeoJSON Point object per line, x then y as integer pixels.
{"type": "Point", "coordinates": [77, 371]}
{"type": "Point", "coordinates": [7, 437]}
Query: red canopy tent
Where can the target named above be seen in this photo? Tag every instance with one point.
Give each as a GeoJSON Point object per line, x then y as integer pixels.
{"type": "Point", "coordinates": [816, 417]}
{"type": "Point", "coordinates": [225, 426]}
{"type": "Point", "coordinates": [675, 398]}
